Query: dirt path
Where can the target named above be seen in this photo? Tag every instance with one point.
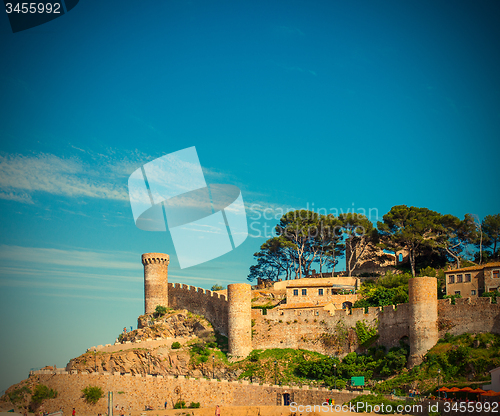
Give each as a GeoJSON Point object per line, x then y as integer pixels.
{"type": "Point", "coordinates": [152, 344]}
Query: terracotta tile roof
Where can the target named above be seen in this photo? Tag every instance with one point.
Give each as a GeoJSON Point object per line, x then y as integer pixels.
{"type": "Point", "coordinates": [304, 284]}
{"type": "Point", "coordinates": [303, 305]}
{"type": "Point", "coordinates": [327, 285]}
{"type": "Point", "coordinates": [478, 267]}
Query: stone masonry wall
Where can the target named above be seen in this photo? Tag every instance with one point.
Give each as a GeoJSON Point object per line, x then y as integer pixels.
{"type": "Point", "coordinates": [211, 305]}
{"type": "Point", "coordinates": [135, 392]}
{"type": "Point", "coordinates": [304, 328]}
{"type": "Point", "coordinates": [468, 315]}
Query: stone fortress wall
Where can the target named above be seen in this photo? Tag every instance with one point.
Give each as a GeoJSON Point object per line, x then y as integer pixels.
{"type": "Point", "coordinates": [213, 306]}
{"type": "Point", "coordinates": [305, 328]}
{"type": "Point", "coordinates": [423, 320]}
{"type": "Point", "coordinates": [136, 392]}
{"type": "Point", "coordinates": [472, 315]}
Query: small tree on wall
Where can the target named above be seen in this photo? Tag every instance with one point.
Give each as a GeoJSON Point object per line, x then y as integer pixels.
{"type": "Point", "coordinates": [92, 394]}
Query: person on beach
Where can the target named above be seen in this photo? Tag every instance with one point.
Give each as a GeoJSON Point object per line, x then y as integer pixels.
{"type": "Point", "coordinates": [217, 410]}
{"type": "Point", "coordinates": [73, 413]}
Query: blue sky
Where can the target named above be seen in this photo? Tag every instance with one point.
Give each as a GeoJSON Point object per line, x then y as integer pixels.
{"type": "Point", "coordinates": [298, 103]}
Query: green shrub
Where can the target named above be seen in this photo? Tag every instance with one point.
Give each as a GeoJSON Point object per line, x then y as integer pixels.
{"type": "Point", "coordinates": [428, 271]}
{"type": "Point", "coordinates": [181, 404]}
{"type": "Point", "coordinates": [176, 345]}
{"type": "Point", "coordinates": [92, 394]}
{"type": "Point", "coordinates": [493, 295]}
{"type": "Point", "coordinates": [366, 336]}
{"type": "Point", "coordinates": [194, 405]}
{"type": "Point", "coordinates": [42, 392]}
{"type": "Point", "coordinates": [18, 394]}
{"type": "Point", "coordinates": [216, 287]}
{"type": "Point", "coordinates": [161, 310]}
{"type": "Point", "coordinates": [452, 297]}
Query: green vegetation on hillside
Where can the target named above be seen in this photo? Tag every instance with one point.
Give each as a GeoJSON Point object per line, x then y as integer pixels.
{"type": "Point", "coordinates": [391, 289]}
{"type": "Point", "coordinates": [40, 393]}
{"type": "Point", "coordinates": [462, 361]}
{"type": "Point", "coordinates": [18, 395]}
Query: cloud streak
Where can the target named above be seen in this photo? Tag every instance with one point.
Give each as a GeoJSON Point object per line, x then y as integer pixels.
{"type": "Point", "coordinates": [68, 258]}
{"type": "Point", "coordinates": [21, 176]}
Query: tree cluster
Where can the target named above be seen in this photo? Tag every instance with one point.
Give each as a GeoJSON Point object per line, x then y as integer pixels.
{"type": "Point", "coordinates": [377, 362]}
{"type": "Point", "coordinates": [306, 238]}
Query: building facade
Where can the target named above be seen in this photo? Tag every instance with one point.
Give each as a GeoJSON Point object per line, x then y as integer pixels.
{"type": "Point", "coordinates": [473, 281]}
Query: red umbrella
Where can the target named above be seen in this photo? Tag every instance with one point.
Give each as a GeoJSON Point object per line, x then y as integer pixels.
{"type": "Point", "coordinates": [444, 389]}
{"type": "Point", "coordinates": [478, 391]}
{"type": "Point", "coordinates": [491, 393]}
{"type": "Point", "coordinates": [467, 389]}
{"type": "Point", "coordinates": [454, 390]}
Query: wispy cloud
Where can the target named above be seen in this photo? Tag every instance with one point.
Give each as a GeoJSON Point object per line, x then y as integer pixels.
{"type": "Point", "coordinates": [71, 258]}
{"type": "Point", "coordinates": [21, 176]}
{"type": "Point", "coordinates": [299, 69]}
{"type": "Point", "coordinates": [84, 174]}
{"type": "Point", "coordinates": [18, 197]}
{"type": "Point", "coordinates": [71, 272]}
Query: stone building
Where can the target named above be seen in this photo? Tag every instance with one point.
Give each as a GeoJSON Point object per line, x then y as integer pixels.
{"type": "Point", "coordinates": [320, 293]}
{"type": "Point", "coordinates": [374, 260]}
{"type": "Point", "coordinates": [473, 281]}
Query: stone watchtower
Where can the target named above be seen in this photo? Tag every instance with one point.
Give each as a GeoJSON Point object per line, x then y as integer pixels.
{"type": "Point", "coordinates": [155, 280]}
{"type": "Point", "coordinates": [423, 317]}
{"type": "Point", "coordinates": [239, 323]}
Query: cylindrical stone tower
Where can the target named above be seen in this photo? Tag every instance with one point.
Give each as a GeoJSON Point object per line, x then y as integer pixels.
{"type": "Point", "coordinates": [239, 320]}
{"type": "Point", "coordinates": [423, 317]}
{"type": "Point", "coordinates": [155, 280]}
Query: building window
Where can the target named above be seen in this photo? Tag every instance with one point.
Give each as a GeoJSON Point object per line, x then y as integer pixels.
{"type": "Point", "coordinates": [473, 292]}
{"type": "Point", "coordinates": [295, 292]}
{"type": "Point", "coordinates": [459, 278]}
{"type": "Point", "coordinates": [304, 292]}
{"type": "Point", "coordinates": [457, 292]}
{"type": "Point", "coordinates": [320, 292]}
{"type": "Point", "coordinates": [467, 277]}
{"type": "Point", "coordinates": [495, 273]}
{"type": "Point", "coordinates": [452, 279]}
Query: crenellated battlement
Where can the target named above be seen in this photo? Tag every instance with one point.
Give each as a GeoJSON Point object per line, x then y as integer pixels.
{"type": "Point", "coordinates": [465, 301]}
{"type": "Point", "coordinates": [211, 305]}
{"type": "Point", "coordinates": [155, 258]}
{"type": "Point", "coordinates": [305, 327]}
